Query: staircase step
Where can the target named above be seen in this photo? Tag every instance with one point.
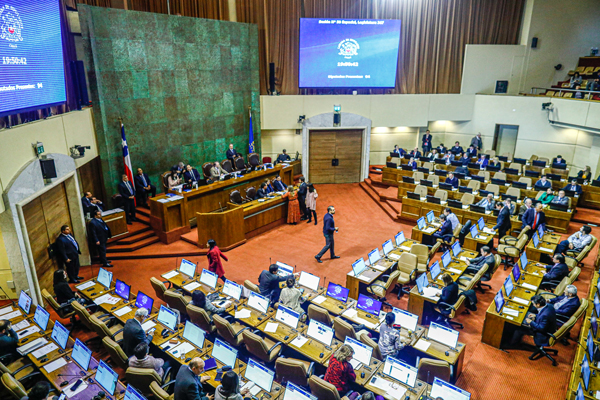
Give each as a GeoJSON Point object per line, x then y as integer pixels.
{"type": "Point", "coordinates": [144, 219]}
{"type": "Point", "coordinates": [384, 205]}
{"type": "Point", "coordinates": [122, 248]}
{"type": "Point", "coordinates": [143, 211]}
{"type": "Point", "coordinates": [137, 237]}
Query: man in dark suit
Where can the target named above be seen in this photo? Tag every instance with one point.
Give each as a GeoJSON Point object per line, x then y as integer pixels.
{"type": "Point", "coordinates": [415, 153]}
{"type": "Point", "coordinates": [283, 157]}
{"type": "Point", "coordinates": [555, 272]}
{"type": "Point", "coordinates": [543, 183]}
{"type": "Point", "coordinates": [426, 142]}
{"type": "Point", "coordinates": [457, 149]}
{"type": "Point", "coordinates": [465, 160]}
{"type": "Point", "coordinates": [100, 233]}
{"type": "Point", "coordinates": [486, 258]}
{"type": "Point", "coordinates": [412, 163]}
{"type": "Point", "coordinates": [533, 218]}
{"type": "Point", "coordinates": [90, 204]}
{"type": "Point", "coordinates": [445, 231]}
{"type": "Point", "coordinates": [575, 187]}
{"type": "Point", "coordinates": [566, 304]}
{"type": "Point", "coordinates": [540, 325]}
{"type": "Point", "coordinates": [452, 180]}
{"type": "Point", "coordinates": [127, 192]}
{"type": "Point", "coordinates": [133, 333]}
{"type": "Point", "coordinates": [191, 175]}
{"type": "Point", "coordinates": [231, 153]}
{"type": "Point", "coordinates": [278, 185]}
{"type": "Point", "coordinates": [482, 161]}
{"type": "Point", "coordinates": [472, 151]}
{"type": "Point", "coordinates": [561, 199]}
{"type": "Point", "coordinates": [68, 251]}
{"type": "Point", "coordinates": [188, 383]}
{"type": "Point", "coordinates": [262, 192]}
{"type": "Point", "coordinates": [329, 229]}
{"type": "Point", "coordinates": [8, 339]}
{"type": "Point", "coordinates": [302, 191]}
{"type": "Point", "coordinates": [559, 160]}
{"type": "Point", "coordinates": [441, 148]}
{"type": "Point", "coordinates": [268, 282]}
{"type": "Point", "coordinates": [503, 221]}
{"type": "Point", "coordinates": [143, 187]}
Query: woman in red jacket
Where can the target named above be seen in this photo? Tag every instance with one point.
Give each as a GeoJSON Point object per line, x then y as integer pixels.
{"type": "Point", "coordinates": [340, 372]}
{"type": "Point", "coordinates": [214, 256]}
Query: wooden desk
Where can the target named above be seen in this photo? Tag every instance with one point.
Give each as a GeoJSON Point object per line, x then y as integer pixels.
{"type": "Point", "coordinates": [168, 219]}
{"type": "Point", "coordinates": [32, 325]}
{"type": "Point", "coordinates": [276, 390]}
{"type": "Point", "coordinates": [94, 388]}
{"type": "Point", "coordinates": [95, 291]}
{"type": "Point", "coordinates": [590, 197]}
{"type": "Point", "coordinates": [438, 351]}
{"type": "Point", "coordinates": [157, 338]}
{"type": "Point", "coordinates": [195, 352]}
{"type": "Point", "coordinates": [367, 277]}
{"type": "Point", "coordinates": [70, 370]}
{"type": "Point", "coordinates": [127, 316]}
{"type": "Point", "coordinates": [255, 319]}
{"type": "Point", "coordinates": [361, 317]}
{"type": "Point", "coordinates": [313, 349]}
{"type": "Point", "coordinates": [483, 239]}
{"type": "Point", "coordinates": [332, 305]}
{"type": "Point", "coordinates": [494, 323]}
{"type": "Point", "coordinates": [534, 254]}
{"type": "Point", "coordinates": [54, 354]}
{"type": "Point", "coordinates": [414, 394]}
{"type": "Point", "coordinates": [115, 219]}
{"type": "Point", "coordinates": [284, 333]}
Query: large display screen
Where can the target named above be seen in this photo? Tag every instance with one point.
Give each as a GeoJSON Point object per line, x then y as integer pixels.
{"type": "Point", "coordinates": [350, 53]}
{"type": "Point", "coordinates": [31, 55]}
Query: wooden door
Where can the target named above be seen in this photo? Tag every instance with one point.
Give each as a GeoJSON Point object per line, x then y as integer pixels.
{"type": "Point", "coordinates": [327, 145]}
{"type": "Point", "coordinates": [43, 217]}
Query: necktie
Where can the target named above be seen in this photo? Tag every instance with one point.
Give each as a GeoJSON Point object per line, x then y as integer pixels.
{"type": "Point", "coordinates": [128, 187]}
{"type": "Point", "coordinates": [72, 241]}
{"type": "Point", "coordinates": [144, 180]}
{"type": "Point", "coordinates": [535, 221]}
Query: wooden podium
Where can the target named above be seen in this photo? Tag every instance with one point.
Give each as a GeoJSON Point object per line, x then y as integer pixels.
{"type": "Point", "coordinates": [168, 219]}
{"type": "Point", "coordinates": [225, 227]}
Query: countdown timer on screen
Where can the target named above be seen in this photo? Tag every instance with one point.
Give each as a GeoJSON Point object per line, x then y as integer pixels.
{"type": "Point", "coordinates": [351, 53]}
{"type": "Point", "coordinates": [31, 55]}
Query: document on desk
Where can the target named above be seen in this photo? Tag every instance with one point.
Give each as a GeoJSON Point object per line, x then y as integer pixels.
{"type": "Point", "coordinates": [102, 299]}
{"type": "Point", "coordinates": [5, 310]}
{"type": "Point", "coordinates": [183, 348]}
{"type": "Point", "coordinates": [70, 393]}
{"type": "Point", "coordinates": [146, 326]}
{"type": "Point", "coordinates": [381, 383]}
{"type": "Point", "coordinates": [253, 388]}
{"type": "Point", "coordinates": [422, 345]}
{"type": "Point", "coordinates": [242, 314]}
{"type": "Point", "coordinates": [379, 267]}
{"type": "Point", "coordinates": [429, 230]}
{"type": "Point", "coordinates": [169, 275]}
{"type": "Point", "coordinates": [299, 341]}
{"type": "Point", "coordinates": [176, 197]}
{"type": "Point", "coordinates": [163, 200]}
{"type": "Point", "coordinates": [319, 299]}
{"type": "Point", "coordinates": [122, 311]}
{"type": "Point", "coordinates": [31, 346]}
{"type": "Point", "coordinates": [54, 365]}
{"type": "Point", "coordinates": [28, 331]}
{"type": "Point", "coordinates": [528, 286]}
{"type": "Point", "coordinates": [394, 256]}
{"type": "Point", "coordinates": [355, 364]}
{"type": "Point", "coordinates": [396, 392]}
{"type": "Point", "coordinates": [86, 285]}
{"type": "Point", "coordinates": [112, 300]}
{"type": "Point", "coordinates": [463, 258]}
{"type": "Point", "coordinates": [21, 325]}
{"type": "Point", "coordinates": [405, 248]}
{"type": "Point", "coordinates": [349, 313]}
{"type": "Point", "coordinates": [456, 271]}
{"type": "Point", "coordinates": [432, 293]}
{"type": "Point", "coordinates": [271, 327]}
{"type": "Point", "coordinates": [364, 278]}
{"type": "Point", "coordinates": [191, 286]}
{"type": "Point", "coordinates": [12, 315]}
{"type": "Point", "coordinates": [50, 347]}
{"type": "Point", "coordinates": [520, 300]}
{"type": "Point", "coordinates": [545, 249]}
{"type": "Point", "coordinates": [489, 230]}
{"type": "Point", "coordinates": [510, 311]}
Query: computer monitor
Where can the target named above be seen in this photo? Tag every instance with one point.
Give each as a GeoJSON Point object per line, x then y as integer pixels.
{"type": "Point", "coordinates": [591, 346]}
{"type": "Point", "coordinates": [536, 240]}
{"type": "Point", "coordinates": [187, 268]}
{"type": "Point", "coordinates": [456, 249]}
{"type": "Point", "coordinates": [446, 259]}
{"type": "Point", "coordinates": [499, 300]}
{"type": "Point", "coordinates": [541, 231]}
{"type": "Point", "coordinates": [585, 372]}
{"type": "Point", "coordinates": [422, 282]}
{"type": "Point", "coordinates": [400, 371]}
{"type": "Point", "coordinates": [474, 231]}
{"type": "Point", "coordinates": [284, 269]}
{"type": "Point", "coordinates": [337, 292]}
{"type": "Point", "coordinates": [287, 316]}
{"type": "Point", "coordinates": [597, 303]}
{"type": "Point", "coordinates": [362, 352]}
{"type": "Point", "coordinates": [167, 317]}
{"type": "Point", "coordinates": [260, 375]}
{"type": "Point", "coordinates": [132, 394]}
{"type": "Point", "coordinates": [320, 332]}
{"type": "Point", "coordinates": [387, 247]}
{"type": "Point", "coordinates": [24, 302]}
{"type": "Point", "coordinates": [104, 278]}
{"type": "Point", "coordinates": [594, 323]}
{"type": "Point", "coordinates": [508, 286]}
{"type": "Point", "coordinates": [443, 335]}
{"type": "Point", "coordinates": [374, 256]}
{"type": "Point", "coordinates": [430, 217]}
{"type": "Point", "coordinates": [523, 261]}
{"type": "Point", "coordinates": [358, 266]}
{"type": "Point", "coordinates": [444, 390]}
{"type": "Point", "coordinates": [232, 289]}
{"type": "Point", "coordinates": [480, 223]}
{"type": "Point", "coordinates": [293, 392]}
{"type": "Point", "coordinates": [60, 334]}
{"type": "Point", "coordinates": [368, 305]}
{"type": "Point", "coordinates": [309, 280]}
{"type": "Point", "coordinates": [579, 395]}
{"type": "Point", "coordinates": [107, 378]}
{"type": "Point", "coordinates": [516, 271]}
{"type": "Point", "coordinates": [122, 289]}
{"type": "Point", "coordinates": [405, 319]}
{"type": "Point", "coordinates": [421, 223]}
{"type": "Point", "coordinates": [144, 301]}
{"type": "Point", "coordinates": [399, 238]}
{"type": "Point", "coordinates": [258, 302]}
{"type": "Point", "coordinates": [435, 270]}
{"type": "Point", "coordinates": [81, 354]}
{"type": "Point", "coordinates": [194, 334]}
{"type": "Point", "coordinates": [41, 317]}
{"type": "Point", "coordinates": [209, 278]}
{"type": "Point", "coordinates": [224, 353]}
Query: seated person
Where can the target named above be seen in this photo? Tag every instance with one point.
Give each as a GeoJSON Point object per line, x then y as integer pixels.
{"type": "Point", "coordinates": [575, 79]}
{"type": "Point", "coordinates": [64, 293]}
{"type": "Point", "coordinates": [482, 161]}
{"type": "Point", "coordinates": [441, 149]}
{"type": "Point", "coordinates": [432, 155]}
{"type": "Point", "coordinates": [486, 258]}
{"type": "Point", "coordinates": [578, 94]}
{"type": "Point", "coordinates": [510, 205]}
{"type": "Point", "coordinates": [559, 160]}
{"type": "Point", "coordinates": [231, 153]}
{"type": "Point", "coordinates": [555, 272]}
{"type": "Point", "coordinates": [466, 159]}
{"type": "Point", "coordinates": [576, 241]}
{"type": "Point", "coordinates": [268, 186]}
{"type": "Point", "coordinates": [291, 297]}
{"type": "Point", "coordinates": [585, 174]}
{"type": "Point", "coordinates": [488, 202]}
{"type": "Point", "coordinates": [141, 359]}
{"type": "Point", "coordinates": [575, 187]}
{"type": "Point", "coordinates": [390, 340]}
{"type": "Point", "coordinates": [278, 185]}
{"type": "Point", "coordinates": [451, 180]}
{"type": "Point", "coordinates": [199, 299]}
{"type": "Point", "coordinates": [90, 204]}
{"type": "Point", "coordinates": [543, 183]}
{"type": "Point", "coordinates": [539, 326]}
{"type": "Point", "coordinates": [8, 339]}
{"type": "Point", "coordinates": [448, 157]}
{"type": "Point", "coordinates": [445, 231]}
{"type": "Point", "coordinates": [283, 157]}
{"type": "Point", "coordinates": [566, 304]}
{"type": "Point", "coordinates": [494, 162]}
{"type": "Point", "coordinates": [449, 296]}
{"type": "Point", "coordinates": [340, 372]}
{"type": "Point", "coordinates": [412, 163]}
{"type": "Point", "coordinates": [216, 172]}
{"type": "Point", "coordinates": [462, 170]}
{"type": "Point", "coordinates": [415, 153]}
{"type": "Point", "coordinates": [472, 151]}
{"type": "Point", "coordinates": [561, 198]}
{"type": "Point", "coordinates": [173, 179]}
{"type": "Point", "coordinates": [143, 187]}
{"type": "Point", "coordinates": [400, 151]}
{"type": "Point", "coordinates": [262, 192]}
{"type": "Point", "coordinates": [457, 149]}
{"type": "Point", "coordinates": [527, 204]}
{"type": "Point", "coordinates": [547, 197]}
{"type": "Point", "coordinates": [40, 391]}
{"type": "Point", "coordinates": [450, 216]}
{"type": "Point", "coordinates": [191, 175]}
{"type": "Point", "coordinates": [268, 282]}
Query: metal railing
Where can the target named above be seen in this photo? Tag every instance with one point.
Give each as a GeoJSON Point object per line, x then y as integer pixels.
{"type": "Point", "coordinates": [587, 94]}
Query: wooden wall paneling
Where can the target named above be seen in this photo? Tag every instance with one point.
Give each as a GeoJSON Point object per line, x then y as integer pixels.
{"type": "Point", "coordinates": [348, 149]}
{"type": "Point", "coordinates": [91, 180]}
{"type": "Point", "coordinates": [322, 145]}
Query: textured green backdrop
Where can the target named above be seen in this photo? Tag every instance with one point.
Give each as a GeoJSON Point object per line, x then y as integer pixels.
{"type": "Point", "coordinates": [182, 86]}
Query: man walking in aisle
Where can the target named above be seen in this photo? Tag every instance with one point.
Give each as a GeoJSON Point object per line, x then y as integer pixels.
{"type": "Point", "coordinates": [329, 229]}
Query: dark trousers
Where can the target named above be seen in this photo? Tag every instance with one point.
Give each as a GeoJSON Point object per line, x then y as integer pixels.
{"type": "Point", "coordinates": [302, 202]}
{"type": "Point", "coordinates": [142, 194]}
{"type": "Point", "coordinates": [72, 268]}
{"type": "Point", "coordinates": [328, 245]}
{"type": "Point", "coordinates": [311, 213]}
{"type": "Point", "coordinates": [129, 206]}
{"type": "Point", "coordinates": [102, 253]}
{"type": "Point", "coordinates": [502, 232]}
{"type": "Point", "coordinates": [426, 149]}
{"type": "Point", "coordinates": [562, 247]}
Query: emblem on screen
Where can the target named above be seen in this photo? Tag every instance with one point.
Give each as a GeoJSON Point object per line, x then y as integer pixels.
{"type": "Point", "coordinates": [337, 290]}
{"type": "Point", "coordinates": [10, 24]}
{"type": "Point", "coordinates": [348, 48]}
{"type": "Point", "coordinates": [369, 302]}
{"type": "Point", "coordinates": [144, 300]}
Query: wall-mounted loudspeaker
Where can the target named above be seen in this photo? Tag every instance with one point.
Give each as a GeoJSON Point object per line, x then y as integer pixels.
{"type": "Point", "coordinates": [272, 78]}
{"type": "Point", "coordinates": [534, 43]}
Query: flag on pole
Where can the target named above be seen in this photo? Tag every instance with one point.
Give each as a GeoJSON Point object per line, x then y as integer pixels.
{"type": "Point", "coordinates": [126, 158]}
{"type": "Point", "coordinates": [250, 134]}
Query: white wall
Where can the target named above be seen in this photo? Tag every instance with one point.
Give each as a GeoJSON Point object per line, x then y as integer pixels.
{"type": "Point", "coordinates": [485, 64]}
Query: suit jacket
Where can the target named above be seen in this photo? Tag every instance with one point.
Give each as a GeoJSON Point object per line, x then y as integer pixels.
{"type": "Point", "coordinates": [283, 158]}
{"type": "Point", "coordinates": [483, 163]}
{"type": "Point", "coordinates": [89, 207]}
{"type": "Point", "coordinates": [556, 272]}
{"type": "Point", "coordinates": [66, 249]}
{"type": "Point", "coordinates": [472, 152]}
{"type": "Point", "coordinates": [441, 149]}
{"type": "Point", "coordinates": [124, 191]}
{"type": "Point", "coordinates": [328, 224]}
{"type": "Point", "coordinates": [216, 173]}
{"type": "Point", "coordinates": [529, 217]}
{"type": "Point", "coordinates": [415, 154]}
{"type": "Point", "coordinates": [446, 228]}
{"type": "Point", "coordinates": [453, 181]}
{"type": "Point", "coordinates": [558, 200]}
{"type": "Point", "coordinates": [231, 154]}
{"type": "Point", "coordinates": [465, 161]}
{"type": "Point", "coordinates": [279, 186]}
{"type": "Point", "coordinates": [187, 385]}
{"type": "Point", "coordinates": [8, 342]}
{"type": "Point", "coordinates": [479, 262]}
{"type": "Point", "coordinates": [269, 188]}
{"type": "Point", "coordinates": [576, 188]}
{"type": "Point", "coordinates": [489, 206]}
{"type": "Point", "coordinates": [191, 176]}
{"type": "Point", "coordinates": [503, 221]}
{"type": "Point", "coordinates": [302, 190]}
{"type": "Point", "coordinates": [562, 161]}
{"type": "Point", "coordinates": [456, 150]}
{"type": "Point", "coordinates": [523, 209]}
{"type": "Point", "coordinates": [541, 185]}
{"type": "Point", "coordinates": [139, 182]}
{"type": "Point", "coordinates": [426, 140]}
{"type": "Point", "coordinates": [99, 231]}
{"type": "Point", "coordinates": [567, 309]}
{"type": "Point", "coordinates": [260, 193]}
{"type": "Point", "coordinates": [400, 151]}
{"type": "Point", "coordinates": [449, 296]}
{"type": "Point", "coordinates": [413, 165]}
{"type": "Point", "coordinates": [133, 334]}
{"type": "Point", "coordinates": [545, 322]}
{"type": "Point", "coordinates": [477, 142]}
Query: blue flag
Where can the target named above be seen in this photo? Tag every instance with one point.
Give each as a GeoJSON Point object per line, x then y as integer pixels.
{"type": "Point", "coordinates": [250, 134]}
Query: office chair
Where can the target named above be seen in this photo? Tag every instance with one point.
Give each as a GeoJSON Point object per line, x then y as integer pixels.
{"type": "Point", "coordinates": [545, 351]}
{"type": "Point", "coordinates": [422, 253]}
{"type": "Point", "coordinates": [366, 339]}
{"type": "Point", "coordinates": [250, 193]}
{"type": "Point", "coordinates": [468, 198]}
{"type": "Point", "coordinates": [200, 317]}
{"type": "Point", "coordinates": [452, 309]}
{"type": "Point", "coordinates": [253, 159]}
{"type": "Point", "coordinates": [64, 311]}
{"type": "Point", "coordinates": [441, 194]}
{"type": "Point", "coordinates": [320, 314]}
{"type": "Point", "coordinates": [343, 329]}
{"type": "Point", "coordinates": [21, 369]}
{"type": "Point", "coordinates": [227, 166]}
{"type": "Point", "coordinates": [159, 392]}
{"type": "Point", "coordinates": [263, 348]}
{"type": "Point", "coordinates": [293, 370]}
{"type": "Point", "coordinates": [492, 187]}
{"type": "Point", "coordinates": [239, 163]}
{"type": "Point", "coordinates": [177, 301]}
{"type": "Point", "coordinates": [116, 353]}
{"type": "Point", "coordinates": [251, 286]}
{"type": "Point", "coordinates": [511, 240]}
{"type": "Point", "coordinates": [323, 390]}
{"type": "Point", "coordinates": [381, 287]}
{"type": "Point", "coordinates": [142, 378]}
{"type": "Point", "coordinates": [407, 266]}
{"type": "Point", "coordinates": [206, 167]}
{"type": "Point", "coordinates": [231, 332]}
{"type": "Point", "coordinates": [485, 174]}
{"type": "Point", "coordinates": [159, 288]}
{"type": "Point", "coordinates": [512, 252]}
{"type": "Point", "coordinates": [235, 197]}
{"type": "Point", "coordinates": [514, 192]}
{"type": "Point", "coordinates": [474, 185]}
{"type": "Point", "coordinates": [429, 369]}
{"type": "Point", "coordinates": [115, 332]}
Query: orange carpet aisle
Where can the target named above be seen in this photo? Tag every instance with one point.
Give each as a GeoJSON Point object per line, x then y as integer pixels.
{"type": "Point", "coordinates": [488, 373]}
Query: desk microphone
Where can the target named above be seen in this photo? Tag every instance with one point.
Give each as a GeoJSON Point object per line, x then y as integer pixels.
{"type": "Point", "coordinates": [220, 207]}
{"type": "Point", "coordinates": [8, 298]}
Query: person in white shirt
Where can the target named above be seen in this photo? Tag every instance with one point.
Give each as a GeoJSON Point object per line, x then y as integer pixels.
{"type": "Point", "coordinates": [488, 203]}
{"type": "Point", "coordinates": [576, 241]}
{"type": "Point", "coordinates": [450, 216]}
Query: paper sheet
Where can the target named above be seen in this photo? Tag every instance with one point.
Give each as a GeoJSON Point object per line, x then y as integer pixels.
{"type": "Point", "coordinates": [355, 364]}
{"type": "Point", "coordinates": [12, 315]}
{"type": "Point", "coordinates": [381, 383]}
{"type": "Point", "coordinates": [54, 365]}
{"type": "Point", "coordinates": [86, 285]}
{"type": "Point", "coordinates": [431, 292]}
{"type": "Point", "coordinates": [171, 274]}
{"type": "Point", "coordinates": [254, 390]}
{"type": "Point", "coordinates": [183, 348]}
{"type": "Point", "coordinates": [148, 325]}
{"type": "Point", "coordinates": [21, 325]}
{"type": "Point", "coordinates": [404, 248]}
{"type": "Point", "coordinates": [422, 345]}
{"type": "Point", "coordinates": [112, 300]}
{"type": "Point", "coordinates": [299, 341]}
{"type": "Point", "coordinates": [364, 278]}
{"type": "Point", "coordinates": [456, 271]}
{"type": "Point", "coordinates": [520, 300]}
{"type": "Point", "coordinates": [79, 389]}
{"type": "Point", "coordinates": [394, 256]}
{"type": "Point", "coordinates": [508, 317]}
{"type": "Point", "coordinates": [191, 286]}
{"type": "Point", "coordinates": [379, 267]}
{"type": "Point", "coordinates": [102, 299]}
{"type": "Point", "coordinates": [50, 347]}
{"type": "Point", "coordinates": [163, 200]}
{"type": "Point", "coordinates": [510, 311]}
{"type": "Point", "coordinates": [488, 230]}
{"type": "Point", "coordinates": [429, 230]}
{"type": "Point", "coordinates": [545, 249]}
{"type": "Point", "coordinates": [122, 311]}
{"type": "Point", "coordinates": [170, 345]}
{"type": "Point", "coordinates": [39, 342]}
{"type": "Point", "coordinates": [349, 313]}
{"type": "Point", "coordinates": [271, 327]}
{"type": "Point", "coordinates": [463, 258]}
{"type": "Point", "coordinates": [397, 393]}
{"type": "Point", "coordinates": [6, 310]}
{"type": "Point", "coordinates": [319, 299]}
{"type": "Point", "coordinates": [29, 331]}
{"type": "Point", "coordinates": [528, 286]}
{"type": "Point", "coordinates": [243, 314]}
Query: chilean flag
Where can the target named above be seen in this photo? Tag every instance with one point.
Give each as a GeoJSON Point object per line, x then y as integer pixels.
{"type": "Point", "coordinates": [126, 158]}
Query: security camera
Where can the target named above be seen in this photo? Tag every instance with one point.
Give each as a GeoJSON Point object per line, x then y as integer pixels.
{"type": "Point", "coordinates": [547, 106]}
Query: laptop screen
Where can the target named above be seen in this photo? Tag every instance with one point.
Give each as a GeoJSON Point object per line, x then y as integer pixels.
{"type": "Point", "coordinates": [132, 394]}
{"type": "Point", "coordinates": [187, 268]}
{"type": "Point", "coordinates": [523, 260]}
{"type": "Point", "coordinates": [399, 238]}
{"type": "Point", "coordinates": [456, 248]}
{"type": "Point", "coordinates": [232, 289]}
{"type": "Point", "coordinates": [387, 247]}
{"type": "Point", "coordinates": [422, 282]}
{"type": "Point", "coordinates": [209, 278]}
{"type": "Point", "coordinates": [499, 300]}
{"type": "Point", "coordinates": [597, 303]}
{"type": "Point", "coordinates": [591, 347]}
{"type": "Point", "coordinates": [107, 378]}
{"type": "Point", "coordinates": [337, 292]}
{"type": "Point", "coordinates": [25, 302]}
{"type": "Point", "coordinates": [258, 302]}
{"type": "Point", "coordinates": [480, 223]}
{"type": "Point", "coordinates": [405, 319]}
{"type": "Point", "coordinates": [443, 335]}
{"type": "Point", "coordinates": [167, 317]}
{"type": "Point", "coordinates": [81, 354]}
{"type": "Point", "coordinates": [41, 317]}
{"type": "Point", "coordinates": [260, 375]}
{"type": "Point", "coordinates": [421, 223]}
{"type": "Point", "coordinates": [536, 240]}
{"type": "Point", "coordinates": [358, 266]}
{"type": "Point", "coordinates": [122, 289]}
{"type": "Point", "coordinates": [585, 372]}
{"type": "Point", "coordinates": [429, 216]}
{"type": "Point", "coordinates": [309, 280]}
{"type": "Point", "coordinates": [374, 256]}
{"type": "Point", "coordinates": [435, 270]}
{"type": "Point", "coordinates": [284, 269]}
{"type": "Point", "coordinates": [368, 304]}
{"type": "Point", "coordinates": [580, 395]}
{"type": "Point", "coordinates": [194, 334]}
{"type": "Point", "coordinates": [594, 323]}
{"type": "Point", "coordinates": [508, 286]}
{"type": "Point", "coordinates": [541, 231]}
{"type": "Point", "coordinates": [362, 352]}
{"type": "Point", "coordinates": [287, 316]}
{"type": "Point", "coordinates": [104, 278]}
{"type": "Point", "coordinates": [446, 259]}
{"type": "Point", "coordinates": [293, 392]}
{"type": "Point", "coordinates": [474, 231]}
{"type": "Point", "coordinates": [144, 301]}
{"type": "Point", "coordinates": [320, 332]}
{"type": "Point", "coordinates": [60, 334]}
{"type": "Point", "coordinates": [445, 390]}
{"type": "Point", "coordinates": [400, 371]}
{"type": "Point", "coordinates": [224, 353]}
{"type": "Point", "coordinates": [516, 272]}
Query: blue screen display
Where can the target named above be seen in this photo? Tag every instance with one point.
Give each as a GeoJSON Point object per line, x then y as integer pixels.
{"type": "Point", "coordinates": [31, 55]}
{"type": "Point", "coordinates": [348, 52]}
